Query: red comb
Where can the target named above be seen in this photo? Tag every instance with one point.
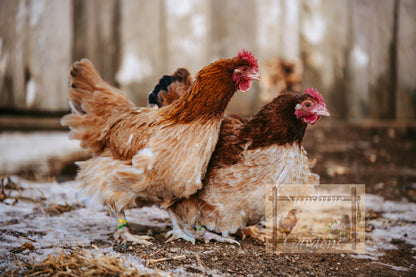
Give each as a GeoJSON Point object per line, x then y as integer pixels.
{"type": "Point", "coordinates": [315, 94]}
{"type": "Point", "coordinates": [248, 56]}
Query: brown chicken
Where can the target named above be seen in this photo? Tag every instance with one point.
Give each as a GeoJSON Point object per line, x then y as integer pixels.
{"type": "Point", "coordinates": [249, 154]}
{"type": "Point", "coordinates": [147, 154]}
{"type": "Point", "coordinates": [287, 223]}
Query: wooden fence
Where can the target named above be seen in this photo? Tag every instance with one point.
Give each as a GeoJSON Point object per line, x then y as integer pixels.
{"type": "Point", "coordinates": [360, 53]}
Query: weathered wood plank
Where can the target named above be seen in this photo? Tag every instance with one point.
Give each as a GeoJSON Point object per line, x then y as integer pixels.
{"type": "Point", "coordinates": [49, 47]}
{"type": "Point", "coordinates": [187, 33]}
{"type": "Point", "coordinates": [277, 21]}
{"type": "Point", "coordinates": [406, 60]}
{"type": "Point", "coordinates": [323, 47]}
{"type": "Point", "coordinates": [143, 56]}
{"type": "Point", "coordinates": [359, 53]}
{"type": "Point", "coordinates": [96, 35]}
{"type": "Point", "coordinates": [13, 58]}
{"type": "Point", "coordinates": [369, 81]}
{"type": "Point", "coordinates": [35, 55]}
{"type": "Point", "coordinates": [231, 34]}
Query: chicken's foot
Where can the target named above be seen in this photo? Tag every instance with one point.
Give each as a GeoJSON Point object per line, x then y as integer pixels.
{"type": "Point", "coordinates": [123, 233]}
{"type": "Point", "coordinates": [180, 234]}
{"type": "Point", "coordinates": [208, 236]}
{"type": "Point", "coordinates": [177, 232]}
{"type": "Point", "coordinates": [125, 236]}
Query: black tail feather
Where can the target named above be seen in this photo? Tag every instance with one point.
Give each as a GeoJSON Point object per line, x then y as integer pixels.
{"type": "Point", "coordinates": [163, 84]}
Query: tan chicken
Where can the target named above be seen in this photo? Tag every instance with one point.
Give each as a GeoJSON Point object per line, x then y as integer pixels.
{"type": "Point", "coordinates": [146, 154]}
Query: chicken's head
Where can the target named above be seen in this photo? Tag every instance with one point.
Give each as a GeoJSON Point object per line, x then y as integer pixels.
{"type": "Point", "coordinates": [294, 211]}
{"type": "Point", "coordinates": [243, 74]}
{"type": "Point", "coordinates": [312, 108]}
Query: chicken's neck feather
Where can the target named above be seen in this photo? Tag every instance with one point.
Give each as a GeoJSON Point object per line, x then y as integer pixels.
{"type": "Point", "coordinates": [208, 97]}
{"type": "Point", "coordinates": [276, 123]}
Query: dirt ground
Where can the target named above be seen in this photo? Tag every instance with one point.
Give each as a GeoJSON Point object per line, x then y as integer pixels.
{"type": "Point", "coordinates": [381, 156]}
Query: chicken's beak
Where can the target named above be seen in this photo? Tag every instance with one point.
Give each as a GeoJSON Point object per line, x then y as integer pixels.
{"type": "Point", "coordinates": [323, 111]}
{"type": "Point", "coordinates": [255, 76]}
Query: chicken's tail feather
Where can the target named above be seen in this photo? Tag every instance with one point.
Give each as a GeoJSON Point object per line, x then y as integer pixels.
{"type": "Point", "coordinates": [90, 94]}
{"type": "Point", "coordinates": [163, 85]}
{"type": "Point", "coordinates": [170, 88]}
{"type": "Point", "coordinates": [94, 104]}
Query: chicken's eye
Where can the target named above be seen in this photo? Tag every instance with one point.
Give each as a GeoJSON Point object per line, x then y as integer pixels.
{"type": "Point", "coordinates": [307, 104]}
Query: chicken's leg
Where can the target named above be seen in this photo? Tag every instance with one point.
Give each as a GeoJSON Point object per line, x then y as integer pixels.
{"type": "Point", "coordinates": [177, 232]}
{"type": "Point", "coordinates": [123, 233]}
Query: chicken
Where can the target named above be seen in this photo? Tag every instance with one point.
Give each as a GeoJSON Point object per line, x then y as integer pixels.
{"type": "Point", "coordinates": [146, 154]}
{"type": "Point", "coordinates": [249, 154]}
{"type": "Point", "coordinates": [287, 224]}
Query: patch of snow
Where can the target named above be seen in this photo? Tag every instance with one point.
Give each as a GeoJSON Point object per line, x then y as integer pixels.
{"type": "Point", "coordinates": [364, 256]}
{"type": "Point", "coordinates": [383, 235]}
{"type": "Point", "coordinates": [394, 267]}
{"type": "Point", "coordinates": [81, 226]}
{"type": "Point", "coordinates": [392, 209]}
{"type": "Point", "coordinates": [398, 222]}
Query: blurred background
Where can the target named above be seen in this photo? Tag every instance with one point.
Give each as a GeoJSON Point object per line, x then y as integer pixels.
{"type": "Point", "coordinates": [360, 54]}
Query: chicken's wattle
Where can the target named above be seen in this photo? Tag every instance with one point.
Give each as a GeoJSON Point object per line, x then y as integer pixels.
{"type": "Point", "coordinates": [244, 85]}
